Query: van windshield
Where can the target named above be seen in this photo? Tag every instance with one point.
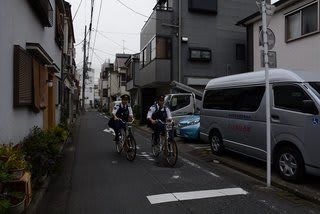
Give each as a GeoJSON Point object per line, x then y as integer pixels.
{"type": "Point", "coordinates": [316, 87]}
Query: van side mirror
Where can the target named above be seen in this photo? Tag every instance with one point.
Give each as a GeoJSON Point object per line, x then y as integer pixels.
{"type": "Point", "coordinates": [309, 107]}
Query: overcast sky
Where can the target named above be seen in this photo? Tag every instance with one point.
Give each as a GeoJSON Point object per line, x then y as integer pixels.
{"type": "Point", "coordinates": [118, 29]}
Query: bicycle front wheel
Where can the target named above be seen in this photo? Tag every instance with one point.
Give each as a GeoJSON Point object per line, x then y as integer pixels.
{"type": "Point", "coordinates": [120, 143]}
{"type": "Point", "coordinates": [131, 148]}
{"type": "Point", "coordinates": [172, 153]}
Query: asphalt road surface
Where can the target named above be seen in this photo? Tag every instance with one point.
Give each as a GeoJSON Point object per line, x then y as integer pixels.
{"type": "Point", "coordinates": [97, 180]}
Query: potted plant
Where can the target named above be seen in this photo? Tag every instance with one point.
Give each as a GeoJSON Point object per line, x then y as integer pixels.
{"type": "Point", "coordinates": [42, 149]}
{"type": "Point", "coordinates": [16, 201]}
{"type": "Point", "coordinates": [13, 160]}
{"type": "Point", "coordinates": [4, 178]}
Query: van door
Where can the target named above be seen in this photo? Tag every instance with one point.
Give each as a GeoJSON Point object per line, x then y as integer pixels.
{"type": "Point", "coordinates": [291, 123]}
{"type": "Point", "coordinates": [245, 121]}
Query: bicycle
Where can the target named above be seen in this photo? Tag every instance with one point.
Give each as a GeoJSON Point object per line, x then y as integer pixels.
{"type": "Point", "coordinates": [126, 141]}
{"type": "Point", "coordinates": [169, 148]}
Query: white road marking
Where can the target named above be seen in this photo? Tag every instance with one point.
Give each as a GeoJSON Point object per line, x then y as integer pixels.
{"type": "Point", "coordinates": [182, 196]}
{"type": "Point", "coordinates": [198, 167]}
{"type": "Point", "coordinates": [200, 147]}
{"type": "Point", "coordinates": [144, 154]}
{"type": "Point", "coordinates": [109, 130]}
{"type": "Point", "coordinates": [175, 176]}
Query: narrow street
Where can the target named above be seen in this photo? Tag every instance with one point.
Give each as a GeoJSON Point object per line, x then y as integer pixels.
{"type": "Point", "coordinates": [95, 179]}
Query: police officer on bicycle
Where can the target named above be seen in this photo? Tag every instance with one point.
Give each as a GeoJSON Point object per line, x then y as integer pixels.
{"type": "Point", "coordinates": [121, 111]}
{"type": "Point", "coordinates": [159, 111]}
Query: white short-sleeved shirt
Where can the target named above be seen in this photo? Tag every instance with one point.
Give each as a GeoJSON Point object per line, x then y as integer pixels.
{"type": "Point", "coordinates": [117, 106]}
{"type": "Point", "coordinates": [153, 108]}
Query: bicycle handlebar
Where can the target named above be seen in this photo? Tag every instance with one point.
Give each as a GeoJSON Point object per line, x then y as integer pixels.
{"type": "Point", "coordinates": [168, 122]}
{"type": "Point", "coordinates": [129, 123]}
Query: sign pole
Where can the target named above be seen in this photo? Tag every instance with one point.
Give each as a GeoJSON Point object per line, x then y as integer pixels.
{"type": "Point", "coordinates": [266, 67]}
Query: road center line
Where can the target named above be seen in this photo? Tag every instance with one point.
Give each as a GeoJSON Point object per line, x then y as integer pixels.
{"type": "Point", "coordinates": [182, 196]}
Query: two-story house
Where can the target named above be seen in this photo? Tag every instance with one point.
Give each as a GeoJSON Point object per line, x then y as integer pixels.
{"type": "Point", "coordinates": [31, 48]}
{"type": "Point", "coordinates": [295, 25]}
{"type": "Point", "coordinates": [191, 43]}
{"type": "Point", "coordinates": [121, 70]}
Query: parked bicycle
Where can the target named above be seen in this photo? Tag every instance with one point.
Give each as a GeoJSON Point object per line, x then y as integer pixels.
{"type": "Point", "coordinates": [126, 141]}
{"type": "Point", "coordinates": [169, 148]}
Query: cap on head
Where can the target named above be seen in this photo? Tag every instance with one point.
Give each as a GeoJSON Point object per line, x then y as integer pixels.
{"type": "Point", "coordinates": [125, 96]}
{"type": "Point", "coordinates": [160, 97]}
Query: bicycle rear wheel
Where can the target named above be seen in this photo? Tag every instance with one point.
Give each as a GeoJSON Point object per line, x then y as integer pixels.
{"type": "Point", "coordinates": [172, 153]}
{"type": "Point", "coordinates": [131, 149]}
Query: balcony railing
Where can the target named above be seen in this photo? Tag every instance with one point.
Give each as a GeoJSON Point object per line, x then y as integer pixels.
{"type": "Point", "coordinates": [44, 11]}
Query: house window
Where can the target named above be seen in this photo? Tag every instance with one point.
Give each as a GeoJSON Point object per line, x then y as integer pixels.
{"type": "Point", "coordinates": [240, 52]}
{"type": "Point", "coordinates": [153, 48]}
{"type": "Point", "coordinates": [141, 59]}
{"type": "Point", "coordinates": [164, 5]}
{"type": "Point", "coordinates": [207, 6]}
{"type": "Point", "coordinates": [302, 22]}
{"type": "Point", "coordinates": [23, 85]}
{"type": "Point", "coordinates": [199, 54]}
{"type": "Point", "coordinates": [157, 48]}
{"type": "Point", "coordinates": [123, 80]}
{"type": "Point", "coordinates": [163, 48]}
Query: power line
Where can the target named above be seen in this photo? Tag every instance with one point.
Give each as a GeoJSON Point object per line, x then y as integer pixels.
{"type": "Point", "coordinates": [98, 57]}
{"type": "Point", "coordinates": [132, 9]}
{"type": "Point", "coordinates": [115, 42]}
{"type": "Point", "coordinates": [111, 32]}
{"type": "Point", "coordinates": [77, 11]}
{"type": "Point", "coordinates": [95, 36]}
{"type": "Point", "coordinates": [103, 52]}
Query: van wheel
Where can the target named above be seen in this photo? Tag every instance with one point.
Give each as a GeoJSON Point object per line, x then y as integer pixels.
{"type": "Point", "coordinates": [216, 143]}
{"type": "Point", "coordinates": [290, 164]}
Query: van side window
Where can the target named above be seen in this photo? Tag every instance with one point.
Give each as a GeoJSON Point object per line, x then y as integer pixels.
{"type": "Point", "coordinates": [235, 99]}
{"type": "Point", "coordinates": [178, 102]}
{"type": "Point", "coordinates": [289, 97]}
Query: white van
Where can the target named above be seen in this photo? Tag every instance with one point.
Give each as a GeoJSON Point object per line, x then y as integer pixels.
{"type": "Point", "coordinates": [233, 117]}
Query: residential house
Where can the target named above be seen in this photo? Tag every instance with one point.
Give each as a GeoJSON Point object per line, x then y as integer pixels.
{"type": "Point", "coordinates": [191, 43]}
{"type": "Point", "coordinates": [70, 87]}
{"type": "Point", "coordinates": [121, 69]}
{"type": "Point", "coordinates": [108, 86]}
{"type": "Point", "coordinates": [31, 48]}
{"type": "Point", "coordinates": [89, 89]}
{"type": "Point", "coordinates": [295, 25]}
{"type": "Point", "coordinates": [132, 78]}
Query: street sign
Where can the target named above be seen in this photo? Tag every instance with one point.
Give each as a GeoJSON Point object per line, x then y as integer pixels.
{"type": "Point", "coordinates": [272, 59]}
{"type": "Point", "coordinates": [271, 39]}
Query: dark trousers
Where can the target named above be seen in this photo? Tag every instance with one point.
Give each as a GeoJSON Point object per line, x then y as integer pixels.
{"type": "Point", "coordinates": [118, 124]}
{"type": "Point", "coordinates": [159, 128]}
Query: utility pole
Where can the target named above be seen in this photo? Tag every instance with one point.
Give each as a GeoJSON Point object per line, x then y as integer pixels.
{"type": "Point", "coordinates": [84, 66]}
{"type": "Point", "coordinates": [266, 9]}
{"type": "Point", "coordinates": [179, 45]}
{"type": "Point", "coordinates": [266, 67]}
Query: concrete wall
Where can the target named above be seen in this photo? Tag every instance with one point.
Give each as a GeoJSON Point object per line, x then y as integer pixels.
{"type": "Point", "coordinates": [303, 53]}
{"type": "Point", "coordinates": [20, 25]}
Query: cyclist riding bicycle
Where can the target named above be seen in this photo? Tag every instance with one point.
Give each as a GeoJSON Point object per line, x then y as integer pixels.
{"type": "Point", "coordinates": [159, 111]}
{"type": "Point", "coordinates": [121, 111]}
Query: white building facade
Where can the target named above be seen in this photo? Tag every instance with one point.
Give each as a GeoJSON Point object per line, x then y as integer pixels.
{"type": "Point", "coordinates": [295, 25]}
{"type": "Point", "coordinates": [30, 59]}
